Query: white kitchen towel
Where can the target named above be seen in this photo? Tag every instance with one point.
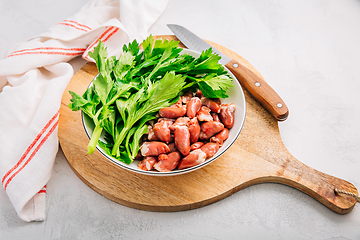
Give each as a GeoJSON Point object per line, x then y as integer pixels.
{"type": "Point", "coordinates": [38, 73]}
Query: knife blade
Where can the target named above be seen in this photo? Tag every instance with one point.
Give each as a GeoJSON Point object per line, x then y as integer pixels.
{"type": "Point", "coordinates": [256, 85]}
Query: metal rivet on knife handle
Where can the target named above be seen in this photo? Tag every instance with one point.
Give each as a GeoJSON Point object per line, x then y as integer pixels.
{"type": "Point", "coordinates": [259, 89]}
{"type": "Point", "coordinates": [235, 65]}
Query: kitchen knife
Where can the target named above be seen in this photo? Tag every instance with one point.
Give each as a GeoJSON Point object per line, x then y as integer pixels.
{"type": "Point", "coordinates": [258, 88]}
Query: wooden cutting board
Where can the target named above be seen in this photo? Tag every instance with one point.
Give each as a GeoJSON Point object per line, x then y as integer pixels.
{"type": "Point", "coordinates": [257, 156]}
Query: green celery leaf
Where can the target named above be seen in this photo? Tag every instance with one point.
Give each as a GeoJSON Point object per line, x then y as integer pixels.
{"type": "Point", "coordinates": [156, 48]}
{"type": "Point", "coordinates": [125, 158]}
{"type": "Point", "coordinates": [102, 87]}
{"type": "Point", "coordinates": [105, 146]}
{"type": "Point", "coordinates": [76, 101]}
{"type": "Point", "coordinates": [120, 90]}
{"type": "Point", "coordinates": [128, 107]}
{"type": "Point", "coordinates": [121, 105]}
{"type": "Point", "coordinates": [103, 82]}
{"type": "Point", "coordinates": [133, 48]}
{"type": "Point", "coordinates": [176, 64]}
{"type": "Point", "coordinates": [163, 92]}
{"type": "Point", "coordinates": [88, 106]}
{"type": "Point", "coordinates": [100, 54]}
{"type": "Point", "coordinates": [213, 86]}
{"type": "Point", "coordinates": [109, 139]}
{"type": "Point", "coordinates": [222, 82]}
{"type": "Point", "coordinates": [108, 120]}
{"type": "Point", "coordinates": [208, 60]}
{"type": "Point", "coordinates": [160, 46]}
{"type": "Point", "coordinates": [147, 45]}
{"type": "Point", "coordinates": [208, 92]}
{"type": "Point", "coordinates": [123, 65]}
{"type": "Point", "coordinates": [110, 63]}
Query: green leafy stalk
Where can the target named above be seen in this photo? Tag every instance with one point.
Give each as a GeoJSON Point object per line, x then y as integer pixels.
{"type": "Point", "coordinates": [95, 102]}
{"type": "Point", "coordinates": [160, 95]}
{"type": "Point", "coordinates": [94, 139]}
{"type": "Point", "coordinates": [88, 103]}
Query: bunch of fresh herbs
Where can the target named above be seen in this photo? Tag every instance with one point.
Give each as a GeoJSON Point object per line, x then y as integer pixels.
{"type": "Point", "coordinates": [130, 90]}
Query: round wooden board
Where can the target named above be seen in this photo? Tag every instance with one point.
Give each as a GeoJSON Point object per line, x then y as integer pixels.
{"type": "Point", "coordinates": [257, 156]}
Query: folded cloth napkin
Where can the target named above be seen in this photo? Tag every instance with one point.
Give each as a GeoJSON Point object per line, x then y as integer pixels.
{"type": "Point", "coordinates": [38, 73]}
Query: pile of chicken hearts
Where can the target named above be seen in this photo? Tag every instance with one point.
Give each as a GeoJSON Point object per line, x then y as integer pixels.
{"type": "Point", "coordinates": [186, 133]}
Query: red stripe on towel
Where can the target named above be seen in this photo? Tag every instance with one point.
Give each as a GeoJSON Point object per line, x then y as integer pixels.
{"type": "Point", "coordinates": [113, 32]}
{"type": "Point", "coordinates": [48, 48]}
{"type": "Point", "coordinates": [47, 53]}
{"type": "Point", "coordinates": [86, 54]}
{"type": "Point", "coordinates": [81, 25]}
{"type": "Point", "coordinates": [30, 147]}
{"type": "Point", "coordinates": [43, 190]}
{"type": "Point", "coordinates": [33, 153]}
{"type": "Point", "coordinates": [101, 36]}
{"type": "Point", "coordinates": [73, 26]}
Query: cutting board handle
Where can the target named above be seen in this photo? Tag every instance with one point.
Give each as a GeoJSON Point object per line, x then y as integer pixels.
{"type": "Point", "coordinates": [316, 184]}
{"type": "Point", "coordinates": [321, 186]}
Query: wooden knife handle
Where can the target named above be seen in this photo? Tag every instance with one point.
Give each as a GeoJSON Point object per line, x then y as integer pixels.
{"type": "Point", "coordinates": [260, 90]}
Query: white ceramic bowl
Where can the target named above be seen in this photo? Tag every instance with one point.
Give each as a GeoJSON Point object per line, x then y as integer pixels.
{"type": "Point", "coordinates": [236, 96]}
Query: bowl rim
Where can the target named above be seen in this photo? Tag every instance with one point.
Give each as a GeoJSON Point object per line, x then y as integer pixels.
{"type": "Point", "coordinates": [174, 172]}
